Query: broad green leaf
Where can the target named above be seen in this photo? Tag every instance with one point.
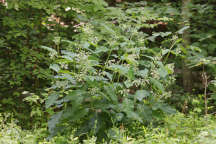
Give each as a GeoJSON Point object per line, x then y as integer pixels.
{"type": "Point", "coordinates": [110, 90]}
{"type": "Point", "coordinates": [131, 74]}
{"type": "Point", "coordinates": [128, 83]}
{"type": "Point", "coordinates": [119, 68]}
{"type": "Point", "coordinates": [150, 57]}
{"type": "Point", "coordinates": [107, 28]}
{"type": "Point", "coordinates": [167, 109]}
{"type": "Point", "coordinates": [157, 85]}
{"type": "Point", "coordinates": [165, 51]}
{"type": "Point", "coordinates": [68, 77]}
{"type": "Point", "coordinates": [51, 99]}
{"type": "Point", "coordinates": [101, 49]}
{"type": "Point", "coordinates": [86, 45]}
{"type": "Point", "coordinates": [68, 53]}
{"type": "Point", "coordinates": [140, 94]}
{"type": "Point", "coordinates": [76, 96]}
{"type": "Point", "coordinates": [74, 113]}
{"type": "Point", "coordinates": [162, 72]}
{"type": "Point", "coordinates": [128, 108]}
{"type": "Point", "coordinates": [134, 116]}
{"type": "Point", "coordinates": [55, 67]}
{"type": "Point", "coordinates": [95, 78]}
{"type": "Point", "coordinates": [54, 120]}
{"type": "Point", "coordinates": [129, 59]}
{"type": "Point", "coordinates": [145, 112]}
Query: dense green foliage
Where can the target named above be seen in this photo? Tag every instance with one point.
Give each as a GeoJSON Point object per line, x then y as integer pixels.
{"type": "Point", "coordinates": [107, 74]}
{"type": "Point", "coordinates": [107, 71]}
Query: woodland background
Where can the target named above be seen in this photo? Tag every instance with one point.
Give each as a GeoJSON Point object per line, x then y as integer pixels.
{"type": "Point", "coordinates": [114, 71]}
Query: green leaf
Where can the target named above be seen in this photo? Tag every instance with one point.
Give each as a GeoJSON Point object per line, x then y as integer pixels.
{"type": "Point", "coordinates": [143, 73]}
{"type": "Point", "coordinates": [101, 49]}
{"type": "Point", "coordinates": [157, 85]}
{"type": "Point", "coordinates": [145, 112]}
{"type": "Point", "coordinates": [181, 31]}
{"type": "Point", "coordinates": [76, 96]}
{"type": "Point", "coordinates": [167, 109]}
{"type": "Point", "coordinates": [86, 45]}
{"type": "Point", "coordinates": [51, 50]}
{"type": "Point", "coordinates": [165, 51]}
{"type": "Point", "coordinates": [74, 113]}
{"type": "Point", "coordinates": [119, 116]}
{"type": "Point", "coordinates": [130, 59]}
{"type": "Point", "coordinates": [110, 90]}
{"type": "Point", "coordinates": [68, 55]}
{"type": "Point", "coordinates": [57, 40]}
{"type": "Point", "coordinates": [119, 68]}
{"type": "Point", "coordinates": [128, 107]}
{"type": "Point", "coordinates": [128, 83]}
{"type": "Point", "coordinates": [140, 94]}
{"type": "Point", "coordinates": [68, 77]}
{"type": "Point", "coordinates": [51, 99]}
{"type": "Point", "coordinates": [55, 67]}
{"type": "Point", "coordinates": [162, 72]}
{"type": "Point", "coordinates": [109, 75]}
{"type": "Point", "coordinates": [131, 74]}
{"type": "Point", "coordinates": [134, 116]}
{"type": "Point", "coordinates": [54, 120]}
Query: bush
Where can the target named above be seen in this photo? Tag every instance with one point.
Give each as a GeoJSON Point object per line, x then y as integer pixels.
{"type": "Point", "coordinates": [109, 73]}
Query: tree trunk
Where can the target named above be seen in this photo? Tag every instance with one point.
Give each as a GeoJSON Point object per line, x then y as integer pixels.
{"type": "Point", "coordinates": [187, 77]}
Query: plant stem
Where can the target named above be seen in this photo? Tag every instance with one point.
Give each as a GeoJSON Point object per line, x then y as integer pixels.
{"type": "Point", "coordinates": [205, 83]}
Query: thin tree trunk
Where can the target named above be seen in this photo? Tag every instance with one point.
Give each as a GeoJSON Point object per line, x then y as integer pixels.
{"type": "Point", "coordinates": [187, 77]}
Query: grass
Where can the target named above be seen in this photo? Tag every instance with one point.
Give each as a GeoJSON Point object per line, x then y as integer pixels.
{"type": "Point", "coordinates": [176, 129]}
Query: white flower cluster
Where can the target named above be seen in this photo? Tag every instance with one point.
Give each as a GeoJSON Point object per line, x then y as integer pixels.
{"type": "Point", "coordinates": [74, 9]}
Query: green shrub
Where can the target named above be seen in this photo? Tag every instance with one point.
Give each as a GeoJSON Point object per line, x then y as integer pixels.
{"type": "Point", "coordinates": [109, 73]}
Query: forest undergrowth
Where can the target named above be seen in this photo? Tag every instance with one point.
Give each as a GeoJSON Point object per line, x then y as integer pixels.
{"type": "Point", "coordinates": [107, 71]}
